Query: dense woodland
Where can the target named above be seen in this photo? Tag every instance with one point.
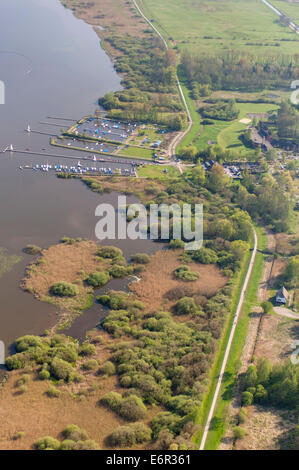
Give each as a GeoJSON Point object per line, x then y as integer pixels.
{"type": "Point", "coordinates": [237, 71]}
{"type": "Point", "coordinates": [288, 122]}
{"type": "Point", "coordinates": [274, 385]}
{"type": "Point", "coordinates": [149, 78]}
{"type": "Point", "coordinates": [221, 110]}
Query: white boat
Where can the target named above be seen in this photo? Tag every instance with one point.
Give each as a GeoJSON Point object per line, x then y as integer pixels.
{"type": "Point", "coordinates": [79, 164]}
{"type": "Point", "coordinates": [28, 128]}
{"type": "Point", "coordinates": [94, 158]}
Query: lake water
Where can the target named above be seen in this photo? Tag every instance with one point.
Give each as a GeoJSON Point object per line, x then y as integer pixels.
{"type": "Point", "coordinates": [52, 65]}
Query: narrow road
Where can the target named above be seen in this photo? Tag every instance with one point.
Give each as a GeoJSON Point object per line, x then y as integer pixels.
{"type": "Point", "coordinates": [291, 24]}
{"type": "Point", "coordinates": [286, 312]}
{"type": "Point", "coordinates": [228, 347]}
{"type": "Point", "coordinates": [181, 135]}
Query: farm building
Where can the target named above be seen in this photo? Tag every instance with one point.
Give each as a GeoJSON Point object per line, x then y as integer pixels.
{"type": "Point", "coordinates": [282, 296]}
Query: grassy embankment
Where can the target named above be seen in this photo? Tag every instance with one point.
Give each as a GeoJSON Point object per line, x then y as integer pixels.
{"type": "Point", "coordinates": [218, 423]}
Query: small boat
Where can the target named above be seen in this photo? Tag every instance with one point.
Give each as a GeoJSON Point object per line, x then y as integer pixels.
{"type": "Point", "coordinates": [28, 128]}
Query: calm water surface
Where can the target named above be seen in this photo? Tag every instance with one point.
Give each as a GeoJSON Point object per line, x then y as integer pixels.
{"type": "Point", "coordinates": [52, 65]}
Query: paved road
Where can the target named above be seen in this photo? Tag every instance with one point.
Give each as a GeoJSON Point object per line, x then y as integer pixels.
{"type": "Point", "coordinates": [286, 312]}
{"type": "Point", "coordinates": [181, 135]}
{"type": "Point", "coordinates": [292, 24]}
{"type": "Point", "coordinates": [228, 347]}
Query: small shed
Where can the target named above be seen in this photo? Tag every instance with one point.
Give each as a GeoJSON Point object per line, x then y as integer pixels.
{"type": "Point", "coordinates": [282, 296]}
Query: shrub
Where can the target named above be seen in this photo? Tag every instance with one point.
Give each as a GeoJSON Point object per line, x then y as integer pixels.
{"type": "Point", "coordinates": [205, 256]}
{"type": "Point", "coordinates": [118, 270]}
{"type": "Point", "coordinates": [267, 307]}
{"type": "Point", "coordinates": [52, 392]}
{"type": "Point", "coordinates": [165, 420]}
{"type": "Point", "coordinates": [19, 435]}
{"type": "Point", "coordinates": [67, 444]}
{"type": "Point", "coordinates": [108, 368]}
{"type": "Point", "coordinates": [47, 442]}
{"type": "Point", "coordinates": [67, 352]}
{"type": "Point", "coordinates": [24, 379]}
{"type": "Point", "coordinates": [87, 349]}
{"type": "Point", "coordinates": [103, 299]}
{"type": "Point", "coordinates": [109, 252]}
{"type": "Point", "coordinates": [44, 374]}
{"type": "Point", "coordinates": [86, 445]}
{"type": "Point", "coordinates": [32, 249]}
{"type": "Point", "coordinates": [97, 279]}
{"type": "Point", "coordinates": [74, 433]}
{"type": "Point", "coordinates": [29, 341]}
{"type": "Point", "coordinates": [132, 408]}
{"type": "Point", "coordinates": [242, 415]}
{"type": "Point", "coordinates": [64, 289]}
{"type": "Point", "coordinates": [140, 258]}
{"type": "Point", "coordinates": [175, 244]}
{"type": "Point", "coordinates": [142, 432]}
{"type": "Point", "coordinates": [239, 433]}
{"type": "Point", "coordinates": [112, 400]}
{"type": "Point", "coordinates": [185, 306]}
{"type": "Point", "coordinates": [61, 369]}
{"type": "Point", "coordinates": [185, 274]}
{"type": "Point", "coordinates": [22, 389]}
{"type": "Point", "coordinates": [15, 362]}
{"type": "Point", "coordinates": [250, 378]}
{"type": "Point", "coordinates": [116, 300]}
{"type": "Point", "coordinates": [91, 364]}
{"type": "Point", "coordinates": [247, 398]}
{"type": "Point", "coordinates": [124, 436]}
{"type": "Point", "coordinates": [182, 404]}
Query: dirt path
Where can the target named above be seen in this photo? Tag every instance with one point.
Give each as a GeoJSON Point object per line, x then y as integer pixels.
{"type": "Point", "coordinates": [286, 312]}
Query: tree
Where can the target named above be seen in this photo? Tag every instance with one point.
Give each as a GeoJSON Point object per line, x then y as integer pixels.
{"type": "Point", "coordinates": [239, 248]}
{"type": "Point", "coordinates": [217, 179]}
{"type": "Point", "coordinates": [291, 273]}
{"type": "Point", "coordinates": [97, 279]}
{"type": "Point", "coordinates": [198, 175]}
{"type": "Point", "coordinates": [239, 432]}
{"type": "Point", "coordinates": [263, 370]}
{"type": "Point", "coordinates": [188, 153]}
{"type": "Point", "coordinates": [64, 289]}
{"type": "Point", "coordinates": [185, 306]}
{"type": "Point", "coordinates": [250, 378]}
{"type": "Point", "coordinates": [267, 307]}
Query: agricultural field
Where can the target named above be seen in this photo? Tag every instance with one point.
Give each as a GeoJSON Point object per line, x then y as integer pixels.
{"type": "Point", "coordinates": [222, 25]}
{"type": "Point", "coordinates": [291, 9]}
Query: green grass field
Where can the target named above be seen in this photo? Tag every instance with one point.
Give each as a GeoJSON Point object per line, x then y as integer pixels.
{"type": "Point", "coordinates": [222, 25]}
{"type": "Point", "coordinates": [290, 9]}
{"type": "Point", "coordinates": [229, 136]}
{"type": "Point", "coordinates": [157, 172]}
{"type": "Point", "coordinates": [137, 152]}
{"type": "Point", "coordinates": [225, 133]}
